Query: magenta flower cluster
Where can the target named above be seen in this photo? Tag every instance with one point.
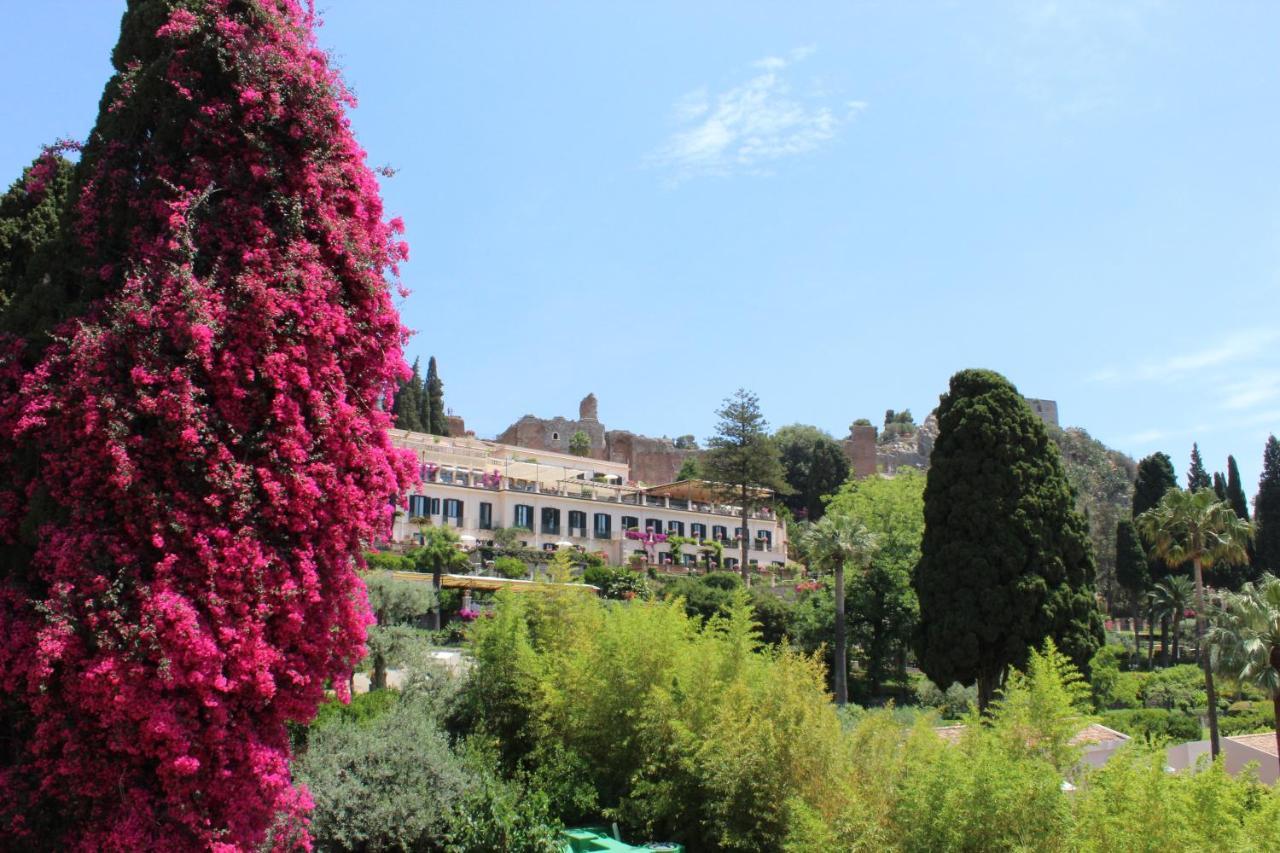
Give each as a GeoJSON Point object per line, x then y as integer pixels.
{"type": "Point", "coordinates": [205, 445]}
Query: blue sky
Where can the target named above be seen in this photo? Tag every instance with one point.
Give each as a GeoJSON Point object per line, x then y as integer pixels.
{"type": "Point", "coordinates": [835, 205]}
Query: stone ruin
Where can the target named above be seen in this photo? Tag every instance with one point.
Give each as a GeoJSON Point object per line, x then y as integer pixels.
{"type": "Point", "coordinates": [650, 460]}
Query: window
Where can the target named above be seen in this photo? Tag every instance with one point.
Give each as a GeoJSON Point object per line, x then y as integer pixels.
{"type": "Point", "coordinates": [604, 522]}
{"type": "Point", "coordinates": [630, 522]}
{"type": "Point", "coordinates": [764, 539]}
{"type": "Point", "coordinates": [654, 524]}
{"type": "Point", "coordinates": [550, 520]}
{"type": "Point", "coordinates": [731, 563]}
{"type": "Point", "coordinates": [738, 533]}
{"type": "Point", "coordinates": [435, 506]}
{"type": "Point", "coordinates": [719, 532]}
{"type": "Point", "coordinates": [417, 506]}
{"type": "Point", "coordinates": [577, 523]}
{"type": "Point", "coordinates": [555, 436]}
{"type": "Point", "coordinates": [486, 515]}
{"type": "Point", "coordinates": [698, 531]}
{"type": "Point", "coordinates": [524, 517]}
{"type": "Point", "coordinates": [689, 559]}
{"type": "Point", "coordinates": [453, 511]}
{"type": "Point", "coordinates": [675, 528]}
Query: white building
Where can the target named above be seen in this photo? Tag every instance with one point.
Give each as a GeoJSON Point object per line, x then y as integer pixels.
{"type": "Point", "coordinates": [560, 500]}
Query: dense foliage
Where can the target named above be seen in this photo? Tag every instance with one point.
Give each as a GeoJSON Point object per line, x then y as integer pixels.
{"type": "Point", "coordinates": [1266, 511]}
{"type": "Point", "coordinates": [882, 605]}
{"type": "Point", "coordinates": [814, 466]}
{"type": "Point", "coordinates": [1005, 559]}
{"type": "Point", "coordinates": [419, 403]}
{"type": "Point", "coordinates": [1102, 480]}
{"type": "Point", "coordinates": [191, 438]}
{"type": "Point", "coordinates": [1197, 476]}
{"type": "Point", "coordinates": [390, 780]}
{"type": "Point", "coordinates": [631, 711]}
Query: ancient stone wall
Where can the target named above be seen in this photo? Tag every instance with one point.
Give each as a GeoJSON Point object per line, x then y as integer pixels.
{"type": "Point", "coordinates": [651, 460]}
{"type": "Point", "coordinates": [860, 447]}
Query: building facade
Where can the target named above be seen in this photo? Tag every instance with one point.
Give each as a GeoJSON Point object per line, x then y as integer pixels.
{"type": "Point", "coordinates": [557, 500]}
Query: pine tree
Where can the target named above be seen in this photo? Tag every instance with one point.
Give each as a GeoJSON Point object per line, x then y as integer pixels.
{"type": "Point", "coordinates": [743, 459]}
{"type": "Point", "coordinates": [437, 422]}
{"type": "Point", "coordinates": [1006, 560]}
{"type": "Point", "coordinates": [202, 371]}
{"type": "Point", "coordinates": [1197, 476]}
{"type": "Point", "coordinates": [1266, 512]}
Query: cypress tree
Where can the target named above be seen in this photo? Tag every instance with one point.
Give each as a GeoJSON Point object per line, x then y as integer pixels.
{"type": "Point", "coordinates": [1132, 570]}
{"type": "Point", "coordinates": [1235, 491]}
{"type": "Point", "coordinates": [1266, 512]}
{"type": "Point", "coordinates": [1006, 560]}
{"type": "Point", "coordinates": [1197, 476]}
{"type": "Point", "coordinates": [1155, 477]}
{"type": "Point", "coordinates": [437, 424]}
{"type": "Point", "coordinates": [1220, 485]}
{"type": "Point", "coordinates": [408, 406]}
{"type": "Point", "coordinates": [199, 375]}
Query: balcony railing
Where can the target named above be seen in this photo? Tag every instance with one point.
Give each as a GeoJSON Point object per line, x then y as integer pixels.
{"type": "Point", "coordinates": [626, 498]}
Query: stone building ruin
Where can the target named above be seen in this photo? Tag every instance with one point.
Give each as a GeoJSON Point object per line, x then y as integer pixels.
{"type": "Point", "coordinates": [651, 460]}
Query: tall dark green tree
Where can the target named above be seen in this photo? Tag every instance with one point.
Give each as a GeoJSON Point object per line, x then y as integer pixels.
{"type": "Point", "coordinates": [743, 460]}
{"type": "Point", "coordinates": [433, 398]}
{"type": "Point", "coordinates": [815, 467]}
{"type": "Point", "coordinates": [1005, 559]}
{"type": "Point", "coordinates": [1220, 485]}
{"type": "Point", "coordinates": [30, 213]}
{"type": "Point", "coordinates": [1235, 490]}
{"type": "Point", "coordinates": [1266, 512]}
{"type": "Point", "coordinates": [1197, 476]}
{"type": "Point", "coordinates": [1132, 571]}
{"type": "Point", "coordinates": [408, 405]}
{"type": "Point", "coordinates": [1155, 477]}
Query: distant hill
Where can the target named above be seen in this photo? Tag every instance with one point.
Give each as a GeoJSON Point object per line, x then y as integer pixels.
{"type": "Point", "coordinates": [1103, 480]}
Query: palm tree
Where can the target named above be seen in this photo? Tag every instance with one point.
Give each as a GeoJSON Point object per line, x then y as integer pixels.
{"type": "Point", "coordinates": [1245, 638]}
{"type": "Point", "coordinates": [1197, 528]}
{"type": "Point", "coordinates": [835, 542]}
{"type": "Point", "coordinates": [1171, 598]}
{"type": "Point", "coordinates": [441, 551]}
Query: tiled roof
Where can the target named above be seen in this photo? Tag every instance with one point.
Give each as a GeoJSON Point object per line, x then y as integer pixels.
{"type": "Point", "coordinates": [1097, 733]}
{"type": "Point", "coordinates": [1262, 742]}
{"type": "Point", "coordinates": [1094, 733]}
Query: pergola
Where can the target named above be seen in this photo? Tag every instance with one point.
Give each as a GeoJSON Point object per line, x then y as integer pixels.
{"type": "Point", "coordinates": [492, 584]}
{"type": "Point", "coordinates": [703, 491]}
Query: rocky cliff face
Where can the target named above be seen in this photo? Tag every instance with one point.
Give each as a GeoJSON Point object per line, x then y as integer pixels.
{"type": "Point", "coordinates": [911, 450]}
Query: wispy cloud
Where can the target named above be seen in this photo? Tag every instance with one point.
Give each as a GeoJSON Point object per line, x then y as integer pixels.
{"type": "Point", "coordinates": [751, 125]}
{"type": "Point", "coordinates": [1072, 59]}
{"type": "Point", "coordinates": [1241, 346]}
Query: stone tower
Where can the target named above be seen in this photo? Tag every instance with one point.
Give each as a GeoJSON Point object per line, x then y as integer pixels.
{"type": "Point", "coordinates": [588, 409]}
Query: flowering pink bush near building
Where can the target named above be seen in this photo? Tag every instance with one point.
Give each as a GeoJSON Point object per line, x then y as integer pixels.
{"type": "Point", "coordinates": [194, 456]}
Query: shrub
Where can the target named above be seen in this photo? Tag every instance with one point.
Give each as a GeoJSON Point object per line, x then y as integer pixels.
{"type": "Point", "coordinates": [386, 561]}
{"type": "Point", "coordinates": [617, 583]}
{"type": "Point", "coordinates": [1154, 723]}
{"type": "Point", "coordinates": [390, 781]}
{"type": "Point", "coordinates": [954, 703]}
{"type": "Point", "coordinates": [1177, 688]}
{"type": "Point", "coordinates": [1127, 691]}
{"type": "Point", "coordinates": [510, 567]}
{"type": "Point", "coordinates": [1248, 718]}
{"type": "Point", "coordinates": [391, 784]}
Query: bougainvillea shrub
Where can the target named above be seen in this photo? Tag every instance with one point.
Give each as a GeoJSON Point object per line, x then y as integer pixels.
{"type": "Point", "coordinates": [193, 438]}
